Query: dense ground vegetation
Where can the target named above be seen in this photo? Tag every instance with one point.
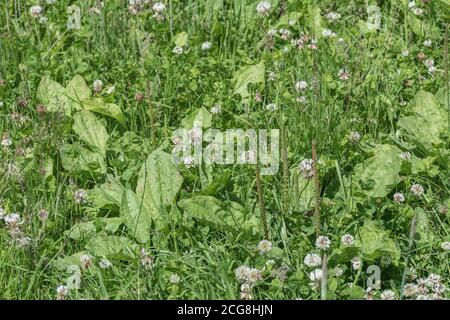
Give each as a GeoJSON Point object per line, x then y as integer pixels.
{"type": "Point", "coordinates": [93, 207]}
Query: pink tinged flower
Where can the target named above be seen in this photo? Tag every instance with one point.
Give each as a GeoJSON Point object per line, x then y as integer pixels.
{"type": "Point", "coordinates": [307, 168]}
{"type": "Point", "coordinates": [343, 74]}
{"type": "Point", "coordinates": [323, 242]}
{"type": "Point", "coordinates": [347, 240]}
{"type": "Point", "coordinates": [417, 189]}
{"type": "Point", "coordinates": [399, 197]}
{"type": "Point", "coordinates": [263, 8]}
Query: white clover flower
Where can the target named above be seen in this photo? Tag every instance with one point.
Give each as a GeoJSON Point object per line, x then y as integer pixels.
{"type": "Point", "coordinates": [36, 11]}
{"type": "Point", "coordinates": [62, 292]}
{"type": "Point", "coordinates": [272, 32]}
{"type": "Point", "coordinates": [43, 215]}
{"type": "Point", "coordinates": [177, 50]}
{"type": "Point", "coordinates": [427, 43]}
{"type": "Point", "coordinates": [253, 275]}
{"type": "Point", "coordinates": [206, 45]}
{"type": "Point", "coordinates": [97, 86]}
{"type": "Point", "coordinates": [80, 196]}
{"type": "Point", "coordinates": [417, 11]}
{"type": "Point", "coordinates": [410, 290]}
{"type": "Point", "coordinates": [216, 110]}
{"type": "Point", "coordinates": [316, 275]}
{"type": "Point", "coordinates": [406, 156]}
{"type": "Point", "coordinates": [13, 220]}
{"type": "Point", "coordinates": [174, 278]}
{"type": "Point", "coordinates": [285, 33]}
{"type": "Point", "coordinates": [313, 44]}
{"type": "Point", "coordinates": [356, 263]}
{"type": "Point", "coordinates": [429, 62]}
{"type": "Point", "coordinates": [338, 271]}
{"type": "Point", "coordinates": [6, 142]}
{"type": "Point", "coordinates": [105, 263]}
{"type": "Point", "coordinates": [263, 8]}
{"type": "Point", "coordinates": [271, 107]}
{"type": "Point", "coordinates": [323, 242]}
{"type": "Point", "coordinates": [241, 273]}
{"type": "Point", "coordinates": [86, 261]}
{"type": "Point", "coordinates": [43, 20]}
{"type": "Point", "coordinates": [307, 168]}
{"type": "Point", "coordinates": [264, 246]}
{"type": "Point", "coordinates": [411, 4]}
{"type": "Point", "coordinates": [431, 69]}
{"type": "Point", "coordinates": [417, 189]}
{"type": "Point", "coordinates": [354, 137]}
{"type": "Point", "coordinates": [405, 53]}
{"type": "Point", "coordinates": [147, 261]}
{"type": "Point", "coordinates": [272, 76]}
{"type": "Point", "coordinates": [301, 85]}
{"type": "Point", "coordinates": [399, 197]}
{"type": "Point", "coordinates": [328, 33]}
{"type": "Point", "coordinates": [189, 161]}
{"type": "Point", "coordinates": [159, 7]}
{"type": "Point", "coordinates": [332, 16]}
{"type": "Point", "coordinates": [312, 260]}
{"type": "Point", "coordinates": [302, 99]}
{"type": "Point", "coordinates": [388, 295]}
{"type": "Point", "coordinates": [347, 240]}
{"type": "Point", "coordinates": [445, 245]}
{"type": "Point", "coordinates": [343, 74]}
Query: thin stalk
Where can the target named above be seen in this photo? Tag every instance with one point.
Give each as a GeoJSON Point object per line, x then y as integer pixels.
{"type": "Point", "coordinates": [410, 245]}
{"type": "Point", "coordinates": [261, 203]}
{"type": "Point", "coordinates": [317, 188]}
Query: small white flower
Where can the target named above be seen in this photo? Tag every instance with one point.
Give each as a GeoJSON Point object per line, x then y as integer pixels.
{"type": "Point", "coordinates": [86, 261]}
{"type": "Point", "coordinates": [159, 7]}
{"type": "Point", "coordinates": [43, 215]}
{"type": "Point", "coordinates": [43, 20]}
{"type": "Point", "coordinates": [328, 33]}
{"type": "Point", "coordinates": [302, 99]}
{"type": "Point", "coordinates": [427, 43]}
{"type": "Point", "coordinates": [406, 156]}
{"type": "Point", "coordinates": [36, 11]}
{"type": "Point", "coordinates": [417, 189]}
{"type": "Point", "coordinates": [189, 161]}
{"type": "Point", "coordinates": [354, 137]}
{"type": "Point", "coordinates": [338, 272]}
{"type": "Point", "coordinates": [445, 245]}
{"type": "Point", "coordinates": [333, 16]}
{"type": "Point", "coordinates": [62, 292]}
{"type": "Point", "coordinates": [272, 76]}
{"type": "Point", "coordinates": [323, 242]}
{"type": "Point", "coordinates": [405, 53]}
{"type": "Point", "coordinates": [241, 273]}
{"type": "Point", "coordinates": [264, 246]}
{"type": "Point", "coordinates": [411, 4]}
{"type": "Point", "coordinates": [174, 278]}
{"type": "Point", "coordinates": [271, 107]}
{"type": "Point", "coordinates": [263, 8]}
{"type": "Point", "coordinates": [285, 34]}
{"type": "Point", "coordinates": [316, 275]}
{"type": "Point", "coordinates": [417, 11]}
{"type": "Point", "coordinates": [410, 290]}
{"type": "Point", "coordinates": [80, 196]}
{"type": "Point", "coordinates": [347, 240]}
{"type": "Point", "coordinates": [206, 45]}
{"type": "Point", "coordinates": [253, 275]}
{"type": "Point", "coordinates": [272, 32]}
{"type": "Point", "coordinates": [97, 85]}
{"type": "Point", "coordinates": [216, 110]}
{"type": "Point", "coordinates": [177, 50]}
{"type": "Point", "coordinates": [312, 260]}
{"type": "Point", "coordinates": [6, 142]}
{"type": "Point", "coordinates": [429, 62]}
{"type": "Point", "coordinates": [399, 197]}
{"type": "Point", "coordinates": [301, 85]}
{"type": "Point", "coordinates": [2, 213]}
{"type": "Point", "coordinates": [307, 168]}
{"type": "Point", "coordinates": [343, 74]}
{"type": "Point", "coordinates": [431, 69]}
{"type": "Point", "coordinates": [356, 263]}
{"type": "Point", "coordinates": [388, 295]}
{"type": "Point", "coordinates": [105, 263]}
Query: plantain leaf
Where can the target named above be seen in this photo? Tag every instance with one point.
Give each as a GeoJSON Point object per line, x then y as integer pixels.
{"type": "Point", "coordinates": [91, 130]}
{"type": "Point", "coordinates": [136, 216]}
{"type": "Point", "coordinates": [159, 180]}
{"type": "Point", "coordinates": [53, 96]}
{"type": "Point", "coordinates": [77, 89]}
{"type": "Point", "coordinates": [246, 75]}
{"type": "Point", "coordinates": [98, 105]}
